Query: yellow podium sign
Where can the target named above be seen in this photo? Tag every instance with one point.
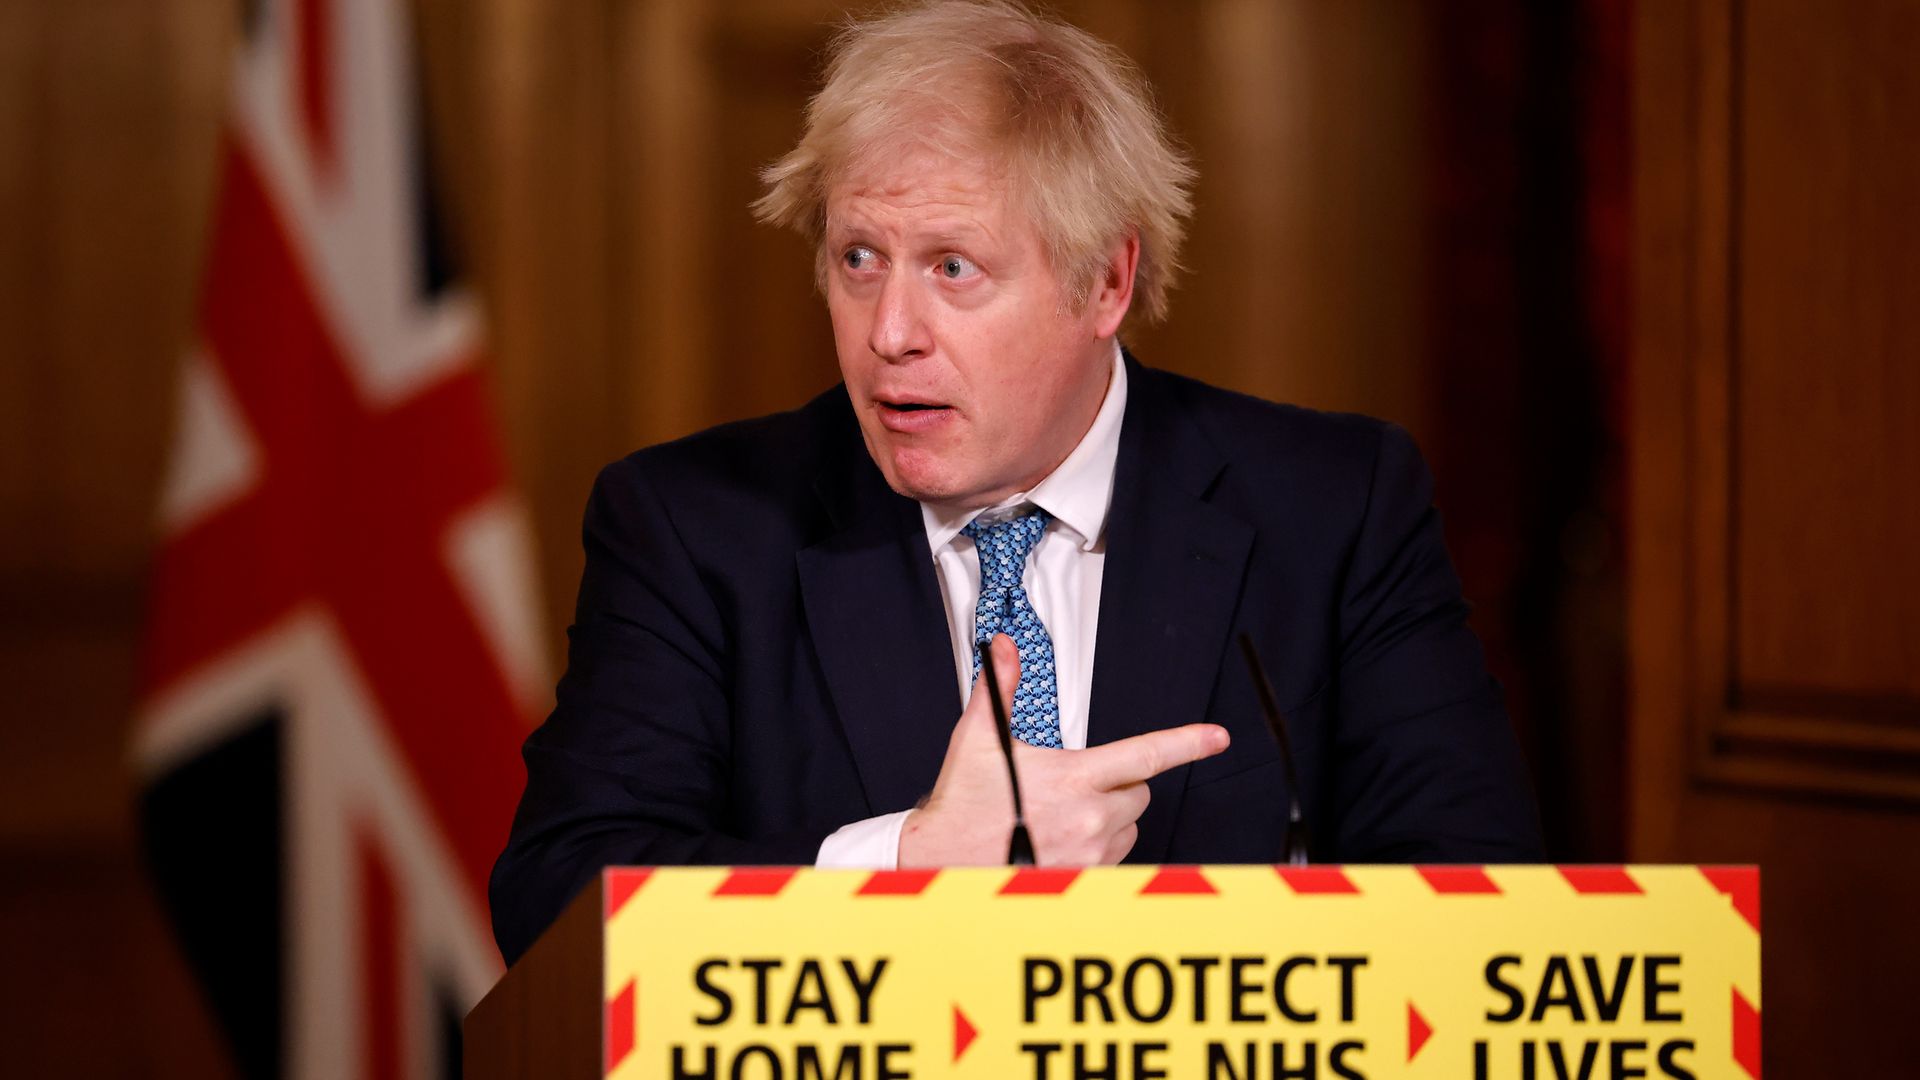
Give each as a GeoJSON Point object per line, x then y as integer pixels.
{"type": "Point", "coordinates": [1217, 972]}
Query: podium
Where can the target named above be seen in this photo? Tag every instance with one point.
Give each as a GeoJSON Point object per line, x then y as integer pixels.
{"type": "Point", "coordinates": [1138, 973]}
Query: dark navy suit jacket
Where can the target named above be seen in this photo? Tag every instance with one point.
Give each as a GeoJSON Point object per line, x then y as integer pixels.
{"type": "Point", "coordinates": [760, 656]}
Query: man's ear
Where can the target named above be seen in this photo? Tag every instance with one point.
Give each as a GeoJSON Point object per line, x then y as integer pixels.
{"type": "Point", "coordinates": [1113, 289]}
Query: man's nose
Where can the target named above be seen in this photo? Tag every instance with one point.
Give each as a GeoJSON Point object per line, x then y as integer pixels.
{"type": "Point", "coordinates": [899, 330]}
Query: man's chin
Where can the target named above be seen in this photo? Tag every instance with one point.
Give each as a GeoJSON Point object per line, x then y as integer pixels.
{"type": "Point", "coordinates": [927, 490]}
{"type": "Point", "coordinates": [924, 477]}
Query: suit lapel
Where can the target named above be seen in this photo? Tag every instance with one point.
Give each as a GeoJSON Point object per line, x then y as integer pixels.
{"type": "Point", "coordinates": [1172, 580]}
{"type": "Point", "coordinates": [873, 609]}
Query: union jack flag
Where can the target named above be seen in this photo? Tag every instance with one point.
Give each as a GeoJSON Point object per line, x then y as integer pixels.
{"type": "Point", "coordinates": [342, 656]}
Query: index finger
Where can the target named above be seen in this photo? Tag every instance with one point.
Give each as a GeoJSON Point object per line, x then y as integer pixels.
{"type": "Point", "coordinates": [1142, 757]}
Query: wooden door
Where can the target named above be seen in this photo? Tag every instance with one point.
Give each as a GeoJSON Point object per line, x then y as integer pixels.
{"type": "Point", "coordinates": [1775, 436]}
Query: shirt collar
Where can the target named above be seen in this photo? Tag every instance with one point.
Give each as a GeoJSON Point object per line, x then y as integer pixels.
{"type": "Point", "coordinates": [1077, 493]}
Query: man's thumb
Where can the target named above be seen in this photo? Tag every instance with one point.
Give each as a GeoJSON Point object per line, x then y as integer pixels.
{"type": "Point", "coordinates": [1006, 671]}
{"type": "Point", "coordinates": [1006, 668]}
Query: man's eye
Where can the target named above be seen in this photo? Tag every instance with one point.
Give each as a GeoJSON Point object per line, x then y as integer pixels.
{"type": "Point", "coordinates": [859, 258]}
{"type": "Point", "coordinates": [955, 267]}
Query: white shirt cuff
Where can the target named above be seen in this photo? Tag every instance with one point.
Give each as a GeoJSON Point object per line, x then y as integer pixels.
{"type": "Point", "coordinates": [873, 844]}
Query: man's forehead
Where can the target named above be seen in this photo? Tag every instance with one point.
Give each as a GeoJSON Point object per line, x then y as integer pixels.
{"type": "Point", "coordinates": [920, 210]}
{"type": "Point", "coordinates": [903, 177]}
{"type": "Point", "coordinates": [909, 172]}
{"type": "Point", "coordinates": [951, 200]}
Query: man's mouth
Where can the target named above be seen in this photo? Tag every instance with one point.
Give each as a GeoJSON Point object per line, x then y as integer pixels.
{"type": "Point", "coordinates": [905, 405]}
{"type": "Point", "coordinates": [911, 417]}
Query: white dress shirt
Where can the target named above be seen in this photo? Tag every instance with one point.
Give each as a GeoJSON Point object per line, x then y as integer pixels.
{"type": "Point", "coordinates": [1062, 579]}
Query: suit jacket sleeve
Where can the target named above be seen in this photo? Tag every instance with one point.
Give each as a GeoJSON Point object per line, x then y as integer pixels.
{"type": "Point", "coordinates": [1427, 765]}
{"type": "Point", "coordinates": [632, 766]}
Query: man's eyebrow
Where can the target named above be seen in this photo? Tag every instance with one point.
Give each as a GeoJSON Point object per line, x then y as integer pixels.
{"type": "Point", "coordinates": [840, 232]}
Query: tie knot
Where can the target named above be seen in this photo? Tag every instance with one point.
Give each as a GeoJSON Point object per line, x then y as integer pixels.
{"type": "Point", "coordinates": [1004, 546]}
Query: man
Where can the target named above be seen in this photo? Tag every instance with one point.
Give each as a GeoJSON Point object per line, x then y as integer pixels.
{"type": "Point", "coordinates": [777, 624]}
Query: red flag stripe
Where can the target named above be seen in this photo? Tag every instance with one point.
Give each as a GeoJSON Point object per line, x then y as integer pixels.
{"type": "Point", "coordinates": [350, 516]}
{"type": "Point", "coordinates": [314, 60]}
{"type": "Point", "coordinates": [346, 517]}
{"type": "Point", "coordinates": [381, 974]}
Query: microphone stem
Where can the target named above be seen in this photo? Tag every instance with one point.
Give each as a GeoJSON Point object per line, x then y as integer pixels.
{"type": "Point", "coordinates": [1019, 843]}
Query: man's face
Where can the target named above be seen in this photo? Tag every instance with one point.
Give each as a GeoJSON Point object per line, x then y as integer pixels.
{"type": "Point", "coordinates": [971, 374]}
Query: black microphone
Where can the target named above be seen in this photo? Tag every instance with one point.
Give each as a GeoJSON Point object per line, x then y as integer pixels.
{"type": "Point", "coordinates": [1019, 845]}
{"type": "Point", "coordinates": [1296, 838]}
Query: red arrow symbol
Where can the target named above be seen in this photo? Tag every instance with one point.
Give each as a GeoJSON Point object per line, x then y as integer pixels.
{"type": "Point", "coordinates": [1418, 1031]}
{"type": "Point", "coordinates": [963, 1033]}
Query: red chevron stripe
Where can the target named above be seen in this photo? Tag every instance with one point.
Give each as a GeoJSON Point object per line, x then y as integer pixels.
{"type": "Point", "coordinates": [1317, 880]}
{"type": "Point", "coordinates": [1459, 880]}
{"type": "Point", "coordinates": [1179, 881]}
{"type": "Point", "coordinates": [620, 1025]}
{"type": "Point", "coordinates": [1599, 880]}
{"type": "Point", "coordinates": [620, 884]}
{"type": "Point", "coordinates": [897, 883]}
{"type": "Point", "coordinates": [1742, 883]}
{"type": "Point", "coordinates": [756, 881]}
{"type": "Point", "coordinates": [1746, 1034]}
{"type": "Point", "coordinates": [1039, 881]}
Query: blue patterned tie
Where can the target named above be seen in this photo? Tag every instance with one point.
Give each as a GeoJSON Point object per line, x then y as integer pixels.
{"type": "Point", "coordinates": [1005, 609]}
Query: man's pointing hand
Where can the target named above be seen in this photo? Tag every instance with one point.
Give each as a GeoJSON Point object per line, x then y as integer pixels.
{"type": "Point", "coordinates": [1082, 805]}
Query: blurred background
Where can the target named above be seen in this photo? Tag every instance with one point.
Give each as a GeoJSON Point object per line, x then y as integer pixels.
{"type": "Point", "coordinates": [1642, 279]}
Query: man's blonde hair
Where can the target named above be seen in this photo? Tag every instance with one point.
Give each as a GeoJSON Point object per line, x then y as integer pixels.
{"type": "Point", "coordinates": [1067, 116]}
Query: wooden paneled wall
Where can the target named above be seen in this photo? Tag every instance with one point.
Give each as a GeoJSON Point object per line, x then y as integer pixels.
{"type": "Point", "coordinates": [108, 113]}
{"type": "Point", "coordinates": [600, 156]}
{"type": "Point", "coordinates": [1775, 594]}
